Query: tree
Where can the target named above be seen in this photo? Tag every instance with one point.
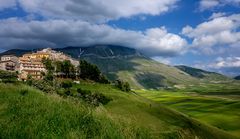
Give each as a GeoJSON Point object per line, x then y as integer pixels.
{"type": "Point", "coordinates": [68, 68]}
{"type": "Point", "coordinates": [48, 64]}
{"type": "Point", "coordinates": [124, 86]}
{"type": "Point", "coordinates": [91, 72]}
{"type": "Point", "coordinates": [50, 69]}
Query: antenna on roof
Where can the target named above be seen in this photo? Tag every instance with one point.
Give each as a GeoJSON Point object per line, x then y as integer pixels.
{"type": "Point", "coordinates": [80, 53]}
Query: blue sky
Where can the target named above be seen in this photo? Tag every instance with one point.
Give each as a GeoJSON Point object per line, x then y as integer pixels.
{"type": "Point", "coordinates": [199, 33]}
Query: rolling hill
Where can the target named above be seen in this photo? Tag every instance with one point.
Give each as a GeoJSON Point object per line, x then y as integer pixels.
{"type": "Point", "coordinates": [118, 62]}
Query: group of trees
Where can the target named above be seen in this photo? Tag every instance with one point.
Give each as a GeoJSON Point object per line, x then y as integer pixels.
{"type": "Point", "coordinates": [65, 69]}
{"type": "Point", "coordinates": [91, 72]}
{"type": "Point", "coordinates": [124, 86]}
{"type": "Point", "coordinates": [85, 71]}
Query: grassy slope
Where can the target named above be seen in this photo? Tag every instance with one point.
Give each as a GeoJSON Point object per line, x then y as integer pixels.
{"type": "Point", "coordinates": [162, 121]}
{"type": "Point", "coordinates": [220, 111]}
{"type": "Point", "coordinates": [39, 115]}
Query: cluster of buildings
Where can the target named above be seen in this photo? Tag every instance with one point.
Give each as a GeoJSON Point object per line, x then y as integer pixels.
{"type": "Point", "coordinates": [31, 64]}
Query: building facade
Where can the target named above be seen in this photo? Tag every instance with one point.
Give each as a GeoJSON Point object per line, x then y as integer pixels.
{"type": "Point", "coordinates": [31, 65]}
{"type": "Point", "coordinates": [9, 63]}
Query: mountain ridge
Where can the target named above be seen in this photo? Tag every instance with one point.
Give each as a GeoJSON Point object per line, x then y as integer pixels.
{"type": "Point", "coordinates": [128, 64]}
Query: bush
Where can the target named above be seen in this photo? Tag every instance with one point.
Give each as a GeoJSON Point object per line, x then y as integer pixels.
{"type": "Point", "coordinates": [94, 99]}
{"type": "Point", "coordinates": [66, 84]}
{"type": "Point", "coordinates": [83, 93]}
{"type": "Point", "coordinates": [43, 85]}
{"type": "Point", "coordinates": [124, 86]}
{"type": "Point", "coordinates": [8, 77]}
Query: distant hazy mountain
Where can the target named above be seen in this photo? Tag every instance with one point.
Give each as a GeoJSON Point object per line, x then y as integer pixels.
{"type": "Point", "coordinates": [202, 74]}
{"type": "Point", "coordinates": [132, 66]}
{"type": "Point", "coordinates": [237, 77]}
{"type": "Point", "coordinates": [16, 52]}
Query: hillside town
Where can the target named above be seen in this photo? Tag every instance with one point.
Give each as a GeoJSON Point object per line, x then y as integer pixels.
{"type": "Point", "coordinates": [31, 64]}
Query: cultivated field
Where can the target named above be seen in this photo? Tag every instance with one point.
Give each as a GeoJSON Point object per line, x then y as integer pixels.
{"type": "Point", "coordinates": [219, 110]}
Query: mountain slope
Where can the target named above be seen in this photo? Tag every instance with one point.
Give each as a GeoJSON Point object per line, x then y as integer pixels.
{"type": "Point", "coordinates": [132, 66]}
{"type": "Point", "coordinates": [118, 62]}
{"type": "Point", "coordinates": [202, 74]}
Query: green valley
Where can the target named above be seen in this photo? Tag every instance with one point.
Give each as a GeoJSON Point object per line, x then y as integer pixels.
{"type": "Point", "coordinates": [219, 110]}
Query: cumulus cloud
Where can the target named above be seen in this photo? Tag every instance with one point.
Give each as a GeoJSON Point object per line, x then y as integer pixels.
{"type": "Point", "coordinates": [226, 65]}
{"type": "Point", "coordinates": [207, 4]}
{"type": "Point", "coordinates": [211, 4]}
{"type": "Point", "coordinates": [216, 15]}
{"type": "Point", "coordinates": [17, 33]}
{"type": "Point", "coordinates": [218, 32]}
{"type": "Point", "coordinates": [96, 10]}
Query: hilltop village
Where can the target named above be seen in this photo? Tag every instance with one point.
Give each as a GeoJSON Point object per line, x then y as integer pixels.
{"type": "Point", "coordinates": [31, 64]}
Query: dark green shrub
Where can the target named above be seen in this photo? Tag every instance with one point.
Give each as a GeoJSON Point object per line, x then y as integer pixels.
{"type": "Point", "coordinates": [43, 85]}
{"type": "Point", "coordinates": [94, 99]}
{"type": "Point", "coordinates": [66, 84]}
{"type": "Point", "coordinates": [101, 98]}
{"type": "Point", "coordinates": [103, 79]}
{"type": "Point", "coordinates": [67, 92]}
{"type": "Point", "coordinates": [124, 86]}
{"type": "Point", "coordinates": [8, 77]}
{"type": "Point", "coordinates": [83, 93]}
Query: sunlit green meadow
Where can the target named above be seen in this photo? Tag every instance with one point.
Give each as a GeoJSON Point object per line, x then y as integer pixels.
{"type": "Point", "coordinates": [220, 111]}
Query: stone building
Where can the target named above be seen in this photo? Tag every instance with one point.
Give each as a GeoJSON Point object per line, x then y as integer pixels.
{"type": "Point", "coordinates": [9, 63]}
{"type": "Point", "coordinates": [31, 65]}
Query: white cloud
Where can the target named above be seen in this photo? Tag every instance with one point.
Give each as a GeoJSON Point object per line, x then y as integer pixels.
{"type": "Point", "coordinates": [211, 4]}
{"type": "Point", "coordinates": [7, 4]}
{"type": "Point", "coordinates": [218, 32]}
{"type": "Point", "coordinates": [163, 60]}
{"type": "Point", "coordinates": [225, 65]}
{"type": "Point", "coordinates": [207, 4]}
{"type": "Point", "coordinates": [216, 15]}
{"type": "Point", "coordinates": [96, 10]}
{"type": "Point", "coordinates": [16, 33]}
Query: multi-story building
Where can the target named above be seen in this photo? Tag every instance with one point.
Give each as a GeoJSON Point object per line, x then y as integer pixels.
{"type": "Point", "coordinates": [9, 63]}
{"type": "Point", "coordinates": [31, 65]}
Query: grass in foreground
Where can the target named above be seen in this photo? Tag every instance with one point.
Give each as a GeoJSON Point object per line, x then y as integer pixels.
{"type": "Point", "coordinates": [219, 111]}
{"type": "Point", "coordinates": [34, 114]}
{"type": "Point", "coordinates": [28, 113]}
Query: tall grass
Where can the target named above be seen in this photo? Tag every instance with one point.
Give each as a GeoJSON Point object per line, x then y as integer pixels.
{"type": "Point", "coordinates": [28, 113]}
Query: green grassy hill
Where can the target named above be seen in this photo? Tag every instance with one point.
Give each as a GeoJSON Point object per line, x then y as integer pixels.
{"type": "Point", "coordinates": [29, 113]}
